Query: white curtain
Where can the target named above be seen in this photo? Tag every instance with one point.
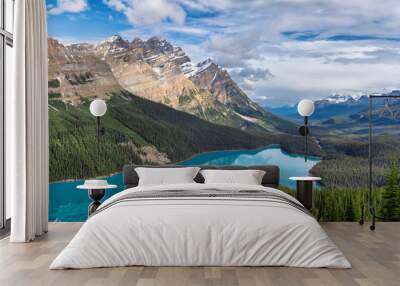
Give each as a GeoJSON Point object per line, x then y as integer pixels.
{"type": "Point", "coordinates": [27, 124]}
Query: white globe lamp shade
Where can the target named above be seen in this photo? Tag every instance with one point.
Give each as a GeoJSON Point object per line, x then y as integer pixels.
{"type": "Point", "coordinates": [98, 107]}
{"type": "Point", "coordinates": [306, 107]}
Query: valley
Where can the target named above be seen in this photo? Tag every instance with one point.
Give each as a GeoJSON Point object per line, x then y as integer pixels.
{"type": "Point", "coordinates": [142, 132]}
{"type": "Point", "coordinates": [340, 124]}
{"type": "Point", "coordinates": [161, 108]}
{"type": "Point", "coordinates": [346, 115]}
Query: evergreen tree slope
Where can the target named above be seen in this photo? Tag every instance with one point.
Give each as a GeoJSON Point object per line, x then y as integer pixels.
{"type": "Point", "coordinates": [133, 127]}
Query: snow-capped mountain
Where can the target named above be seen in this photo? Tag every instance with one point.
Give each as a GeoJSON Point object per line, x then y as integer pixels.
{"type": "Point", "coordinates": [159, 71]}
{"type": "Point", "coordinates": [341, 98]}
{"type": "Point", "coordinates": [336, 105]}
{"type": "Point", "coordinates": [190, 69]}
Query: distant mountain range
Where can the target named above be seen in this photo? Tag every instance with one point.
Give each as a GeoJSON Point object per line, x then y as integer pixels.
{"type": "Point", "coordinates": [334, 105]}
{"type": "Point", "coordinates": [156, 70]}
{"type": "Point", "coordinates": [349, 113]}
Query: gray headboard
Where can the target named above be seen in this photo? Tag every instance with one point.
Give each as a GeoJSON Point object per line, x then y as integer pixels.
{"type": "Point", "coordinates": [271, 177]}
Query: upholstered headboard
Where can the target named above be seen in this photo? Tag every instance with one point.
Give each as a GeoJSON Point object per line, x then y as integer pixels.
{"type": "Point", "coordinates": [271, 177]}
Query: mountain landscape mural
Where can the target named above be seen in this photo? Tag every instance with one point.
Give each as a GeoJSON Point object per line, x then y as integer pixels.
{"type": "Point", "coordinates": [162, 107]}
{"type": "Point", "coordinates": [184, 78]}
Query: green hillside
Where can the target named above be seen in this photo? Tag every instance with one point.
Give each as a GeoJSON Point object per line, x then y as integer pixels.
{"type": "Point", "coordinates": [345, 159]}
{"type": "Point", "coordinates": [131, 123]}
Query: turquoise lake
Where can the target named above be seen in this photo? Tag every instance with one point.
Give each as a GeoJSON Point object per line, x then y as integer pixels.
{"type": "Point", "coordinates": [66, 203]}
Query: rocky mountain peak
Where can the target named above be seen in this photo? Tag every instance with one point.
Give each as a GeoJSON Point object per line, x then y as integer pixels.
{"type": "Point", "coordinates": [137, 43]}
{"type": "Point", "coordinates": [159, 45]}
{"type": "Point", "coordinates": [113, 46]}
{"type": "Point", "coordinates": [113, 39]}
{"type": "Point", "coordinates": [116, 40]}
{"type": "Point", "coordinates": [52, 41]}
{"type": "Point", "coordinates": [205, 64]}
{"type": "Point", "coordinates": [341, 98]}
{"type": "Point", "coordinates": [80, 47]}
{"type": "Point", "coordinates": [155, 39]}
{"type": "Point", "coordinates": [158, 71]}
{"type": "Point", "coordinates": [394, 93]}
{"type": "Point", "coordinates": [190, 69]}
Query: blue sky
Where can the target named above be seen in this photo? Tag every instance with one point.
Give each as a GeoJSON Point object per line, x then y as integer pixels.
{"type": "Point", "coordinates": [279, 51]}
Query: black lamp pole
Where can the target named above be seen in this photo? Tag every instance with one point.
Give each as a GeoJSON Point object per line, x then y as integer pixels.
{"type": "Point", "coordinates": [98, 108]}
{"type": "Point", "coordinates": [306, 137]}
{"type": "Point", "coordinates": [98, 132]}
{"type": "Point", "coordinates": [303, 130]}
{"type": "Point", "coordinates": [305, 108]}
{"type": "Point", "coordinates": [370, 203]}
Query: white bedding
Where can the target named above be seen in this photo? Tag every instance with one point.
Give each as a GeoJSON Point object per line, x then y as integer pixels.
{"type": "Point", "coordinates": [200, 231]}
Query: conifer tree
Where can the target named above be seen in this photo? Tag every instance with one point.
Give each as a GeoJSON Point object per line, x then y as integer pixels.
{"type": "Point", "coordinates": [390, 209]}
{"type": "Point", "coordinates": [349, 214]}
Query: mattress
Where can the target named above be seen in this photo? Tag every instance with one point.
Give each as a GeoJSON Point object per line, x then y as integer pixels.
{"type": "Point", "coordinates": [201, 225]}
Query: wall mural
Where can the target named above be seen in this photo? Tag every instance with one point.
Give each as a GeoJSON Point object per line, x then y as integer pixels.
{"type": "Point", "coordinates": [184, 78]}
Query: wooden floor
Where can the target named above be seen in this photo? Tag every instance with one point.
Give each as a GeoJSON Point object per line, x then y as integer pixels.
{"type": "Point", "coordinates": [375, 257]}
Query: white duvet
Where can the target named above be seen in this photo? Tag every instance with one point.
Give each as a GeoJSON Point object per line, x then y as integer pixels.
{"type": "Point", "coordinates": [199, 231]}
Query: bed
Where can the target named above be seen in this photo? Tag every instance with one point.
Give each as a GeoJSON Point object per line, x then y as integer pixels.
{"type": "Point", "coordinates": [198, 224]}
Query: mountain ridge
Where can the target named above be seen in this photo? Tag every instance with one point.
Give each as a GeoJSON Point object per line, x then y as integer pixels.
{"type": "Point", "coordinates": [333, 105]}
{"type": "Point", "coordinates": [156, 70]}
{"type": "Point", "coordinates": [140, 130]}
{"type": "Point", "coordinates": [347, 114]}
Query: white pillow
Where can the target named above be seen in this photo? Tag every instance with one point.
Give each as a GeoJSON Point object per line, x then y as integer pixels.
{"type": "Point", "coordinates": [166, 176]}
{"type": "Point", "coordinates": [247, 177]}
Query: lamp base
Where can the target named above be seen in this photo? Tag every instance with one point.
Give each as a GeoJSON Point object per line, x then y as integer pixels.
{"type": "Point", "coordinates": [95, 195]}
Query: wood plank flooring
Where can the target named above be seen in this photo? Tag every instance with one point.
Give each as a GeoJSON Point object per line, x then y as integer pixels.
{"type": "Point", "coordinates": [375, 257]}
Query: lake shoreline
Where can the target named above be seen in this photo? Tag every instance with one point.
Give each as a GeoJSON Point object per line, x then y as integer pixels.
{"type": "Point", "coordinates": [256, 150]}
{"type": "Point", "coordinates": [74, 180]}
{"type": "Point", "coordinates": [66, 204]}
{"type": "Point", "coordinates": [270, 146]}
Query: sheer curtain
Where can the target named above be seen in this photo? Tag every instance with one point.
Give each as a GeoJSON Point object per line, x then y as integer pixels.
{"type": "Point", "coordinates": [27, 124]}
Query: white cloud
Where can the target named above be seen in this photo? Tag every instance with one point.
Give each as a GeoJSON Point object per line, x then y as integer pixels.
{"type": "Point", "coordinates": [68, 6]}
{"type": "Point", "coordinates": [312, 78]}
{"type": "Point", "coordinates": [195, 52]}
{"type": "Point", "coordinates": [234, 50]}
{"type": "Point", "coordinates": [248, 38]}
{"type": "Point", "coordinates": [247, 77]}
{"type": "Point", "coordinates": [255, 74]}
{"type": "Point", "coordinates": [205, 5]}
{"type": "Point", "coordinates": [118, 5]}
{"type": "Point", "coordinates": [149, 12]}
{"type": "Point", "coordinates": [187, 30]}
{"type": "Point", "coordinates": [262, 97]}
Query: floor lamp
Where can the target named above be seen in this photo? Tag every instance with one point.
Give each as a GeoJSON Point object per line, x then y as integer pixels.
{"type": "Point", "coordinates": [370, 203]}
{"type": "Point", "coordinates": [305, 109]}
{"type": "Point", "coordinates": [98, 108]}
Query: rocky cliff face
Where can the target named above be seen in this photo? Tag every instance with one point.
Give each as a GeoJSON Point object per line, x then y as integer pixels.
{"type": "Point", "coordinates": [158, 71]}
{"type": "Point", "coordinates": [209, 76]}
{"type": "Point", "coordinates": [75, 73]}
{"type": "Point", "coordinates": [149, 69]}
